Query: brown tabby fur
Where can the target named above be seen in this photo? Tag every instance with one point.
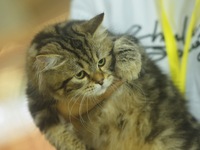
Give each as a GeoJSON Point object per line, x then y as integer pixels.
{"type": "Point", "coordinates": [90, 89]}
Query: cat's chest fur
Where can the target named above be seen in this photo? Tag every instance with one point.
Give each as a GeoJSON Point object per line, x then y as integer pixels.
{"type": "Point", "coordinates": [117, 124]}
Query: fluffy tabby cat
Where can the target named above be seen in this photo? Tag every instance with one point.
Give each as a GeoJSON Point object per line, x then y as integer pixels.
{"type": "Point", "coordinates": [90, 89]}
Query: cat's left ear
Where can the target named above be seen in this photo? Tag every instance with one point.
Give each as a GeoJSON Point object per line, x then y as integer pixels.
{"type": "Point", "coordinates": [90, 26]}
{"type": "Point", "coordinates": [47, 61]}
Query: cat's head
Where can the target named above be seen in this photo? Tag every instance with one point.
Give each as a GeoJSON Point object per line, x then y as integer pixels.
{"type": "Point", "coordinates": [72, 59]}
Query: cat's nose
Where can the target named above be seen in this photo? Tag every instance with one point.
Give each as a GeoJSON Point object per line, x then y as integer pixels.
{"type": "Point", "coordinates": [100, 82]}
{"type": "Point", "coordinates": [98, 78]}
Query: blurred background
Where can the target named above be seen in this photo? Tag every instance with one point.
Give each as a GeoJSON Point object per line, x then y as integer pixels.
{"type": "Point", "coordinates": [20, 20]}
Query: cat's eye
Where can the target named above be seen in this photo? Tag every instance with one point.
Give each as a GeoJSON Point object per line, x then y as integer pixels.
{"type": "Point", "coordinates": [102, 62]}
{"type": "Point", "coordinates": [80, 75]}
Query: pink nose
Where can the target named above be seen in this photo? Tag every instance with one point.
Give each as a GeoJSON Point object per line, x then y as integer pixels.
{"type": "Point", "coordinates": [100, 82]}
{"type": "Point", "coordinates": [98, 78]}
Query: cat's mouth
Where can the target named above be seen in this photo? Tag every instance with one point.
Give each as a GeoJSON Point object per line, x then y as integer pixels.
{"type": "Point", "coordinates": [101, 89]}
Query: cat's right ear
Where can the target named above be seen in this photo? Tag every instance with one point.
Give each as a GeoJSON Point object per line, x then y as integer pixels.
{"type": "Point", "coordinates": [91, 25]}
{"type": "Point", "coordinates": [46, 62]}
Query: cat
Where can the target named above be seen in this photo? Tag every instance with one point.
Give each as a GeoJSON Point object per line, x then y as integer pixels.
{"type": "Point", "coordinates": [90, 89]}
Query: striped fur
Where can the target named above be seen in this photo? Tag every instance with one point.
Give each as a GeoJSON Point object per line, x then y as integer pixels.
{"type": "Point", "coordinates": [90, 89]}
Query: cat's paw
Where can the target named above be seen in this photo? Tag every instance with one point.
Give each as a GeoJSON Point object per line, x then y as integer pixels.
{"type": "Point", "coordinates": [128, 59]}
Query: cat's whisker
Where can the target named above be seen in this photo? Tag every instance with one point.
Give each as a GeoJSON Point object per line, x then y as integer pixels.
{"type": "Point", "coordinates": [94, 99]}
{"type": "Point", "coordinates": [70, 110]}
{"type": "Point", "coordinates": [68, 106]}
{"type": "Point", "coordinates": [73, 99]}
{"type": "Point", "coordinates": [139, 88]}
{"type": "Point", "coordinates": [144, 98]}
{"type": "Point", "coordinates": [83, 122]}
{"type": "Point", "coordinates": [114, 87]}
{"type": "Point", "coordinates": [88, 116]}
{"type": "Point", "coordinates": [87, 113]}
{"type": "Point", "coordinates": [80, 107]}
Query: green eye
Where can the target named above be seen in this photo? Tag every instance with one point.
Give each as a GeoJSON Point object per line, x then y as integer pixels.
{"type": "Point", "coordinates": [102, 62]}
{"type": "Point", "coordinates": [80, 75]}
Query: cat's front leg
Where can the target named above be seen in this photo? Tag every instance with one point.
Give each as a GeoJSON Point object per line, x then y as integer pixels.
{"type": "Point", "coordinates": [57, 131]}
{"type": "Point", "coordinates": [128, 58]}
{"type": "Point", "coordinates": [64, 138]}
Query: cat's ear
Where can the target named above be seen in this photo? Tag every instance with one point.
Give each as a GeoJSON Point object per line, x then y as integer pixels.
{"type": "Point", "coordinates": [92, 25]}
{"type": "Point", "coordinates": [45, 62]}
